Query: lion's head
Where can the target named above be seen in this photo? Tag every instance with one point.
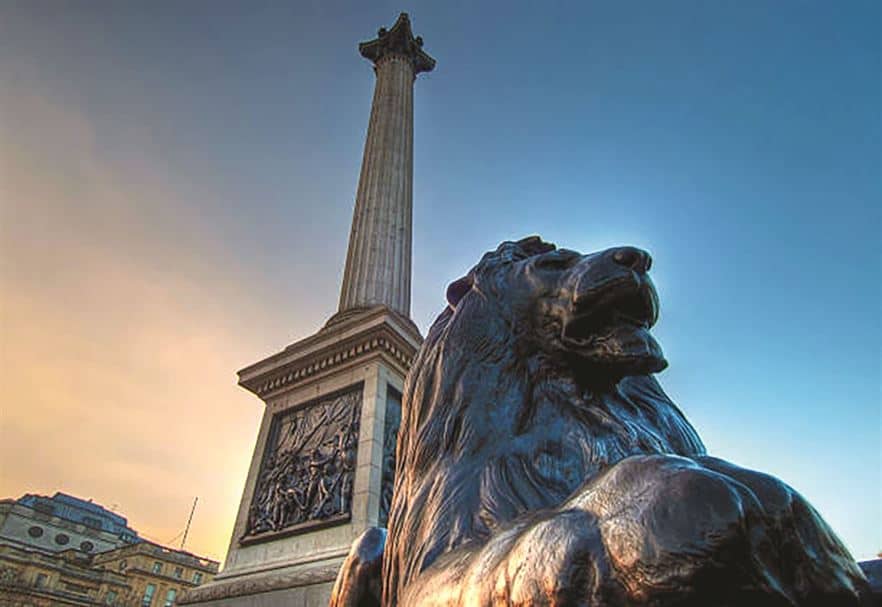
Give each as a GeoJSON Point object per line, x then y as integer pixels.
{"type": "Point", "coordinates": [594, 311]}
{"type": "Point", "coordinates": [533, 379]}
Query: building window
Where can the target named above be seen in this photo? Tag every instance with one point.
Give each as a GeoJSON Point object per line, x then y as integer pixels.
{"type": "Point", "coordinates": [41, 581]}
{"type": "Point", "coordinates": [110, 599]}
{"type": "Point", "coordinates": [157, 567]}
{"type": "Point", "coordinates": [35, 531]}
{"type": "Point", "coordinates": [87, 546]}
{"type": "Point", "coordinates": [170, 597]}
{"type": "Point", "coordinates": [197, 578]}
{"type": "Point", "coordinates": [179, 571]}
{"type": "Point", "coordinates": [148, 595]}
{"type": "Point", "coordinates": [62, 539]}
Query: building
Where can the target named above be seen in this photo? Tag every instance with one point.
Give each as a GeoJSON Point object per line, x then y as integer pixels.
{"type": "Point", "coordinates": [137, 575]}
{"type": "Point", "coordinates": [67, 551]}
{"type": "Point", "coordinates": [155, 574]}
{"type": "Point", "coordinates": [38, 578]}
{"type": "Point", "coordinates": [323, 465]}
{"type": "Point", "coordinates": [90, 514]}
{"type": "Point", "coordinates": [62, 522]}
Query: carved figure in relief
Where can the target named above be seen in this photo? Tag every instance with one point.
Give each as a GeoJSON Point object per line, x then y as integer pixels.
{"type": "Point", "coordinates": [539, 462]}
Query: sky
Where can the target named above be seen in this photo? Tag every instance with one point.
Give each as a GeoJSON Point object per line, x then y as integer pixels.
{"type": "Point", "coordinates": [177, 182]}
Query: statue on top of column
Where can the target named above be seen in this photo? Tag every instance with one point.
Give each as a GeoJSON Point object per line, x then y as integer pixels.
{"type": "Point", "coordinates": [399, 40]}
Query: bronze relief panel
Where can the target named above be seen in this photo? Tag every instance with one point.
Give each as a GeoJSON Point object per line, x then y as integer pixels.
{"type": "Point", "coordinates": [308, 469]}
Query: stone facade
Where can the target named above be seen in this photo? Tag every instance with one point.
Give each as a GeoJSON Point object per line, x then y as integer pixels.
{"type": "Point", "coordinates": [156, 575]}
{"type": "Point", "coordinates": [62, 550]}
{"type": "Point", "coordinates": [59, 523]}
{"type": "Point", "coordinates": [38, 578]}
{"type": "Point", "coordinates": [142, 574]}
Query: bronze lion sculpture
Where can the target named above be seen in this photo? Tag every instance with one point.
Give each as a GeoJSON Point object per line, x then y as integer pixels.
{"type": "Point", "coordinates": [540, 463]}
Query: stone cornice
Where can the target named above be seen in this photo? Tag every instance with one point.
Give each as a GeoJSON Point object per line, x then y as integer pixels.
{"type": "Point", "coordinates": [349, 341]}
{"type": "Point", "coordinates": [399, 41]}
{"type": "Point", "coordinates": [218, 590]}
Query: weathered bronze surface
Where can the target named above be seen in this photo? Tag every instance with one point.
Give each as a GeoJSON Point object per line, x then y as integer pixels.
{"type": "Point", "coordinates": [540, 463]}
{"type": "Point", "coordinates": [307, 472]}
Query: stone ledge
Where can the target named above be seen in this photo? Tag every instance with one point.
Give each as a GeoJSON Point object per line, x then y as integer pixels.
{"type": "Point", "coordinates": [250, 585]}
{"type": "Point", "coordinates": [304, 527]}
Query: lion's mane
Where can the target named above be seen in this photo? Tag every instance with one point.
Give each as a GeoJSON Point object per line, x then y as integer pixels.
{"type": "Point", "coordinates": [493, 428]}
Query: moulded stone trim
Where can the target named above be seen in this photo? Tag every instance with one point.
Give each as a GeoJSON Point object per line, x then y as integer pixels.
{"type": "Point", "coordinates": [397, 350]}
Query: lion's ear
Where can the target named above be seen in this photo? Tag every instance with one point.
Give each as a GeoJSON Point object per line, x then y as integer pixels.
{"type": "Point", "coordinates": [458, 289]}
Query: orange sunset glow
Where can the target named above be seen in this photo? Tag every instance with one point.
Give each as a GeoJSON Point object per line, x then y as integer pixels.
{"type": "Point", "coordinates": [118, 355]}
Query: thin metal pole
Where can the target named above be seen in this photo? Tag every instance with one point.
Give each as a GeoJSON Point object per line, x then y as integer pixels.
{"type": "Point", "coordinates": [189, 520]}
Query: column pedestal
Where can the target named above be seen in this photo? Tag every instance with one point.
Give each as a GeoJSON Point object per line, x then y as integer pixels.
{"type": "Point", "coordinates": [322, 467]}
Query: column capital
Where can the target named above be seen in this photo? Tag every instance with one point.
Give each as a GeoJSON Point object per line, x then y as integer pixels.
{"type": "Point", "coordinates": [400, 41]}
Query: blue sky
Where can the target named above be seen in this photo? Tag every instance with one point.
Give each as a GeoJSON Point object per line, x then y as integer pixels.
{"type": "Point", "coordinates": [181, 179]}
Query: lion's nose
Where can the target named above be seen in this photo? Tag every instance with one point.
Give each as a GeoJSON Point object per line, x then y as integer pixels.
{"type": "Point", "coordinates": [633, 258]}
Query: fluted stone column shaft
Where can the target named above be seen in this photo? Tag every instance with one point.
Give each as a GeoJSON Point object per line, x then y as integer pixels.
{"type": "Point", "coordinates": [378, 263]}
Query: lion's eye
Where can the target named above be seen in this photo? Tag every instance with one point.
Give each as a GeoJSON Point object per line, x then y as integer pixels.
{"type": "Point", "coordinates": [552, 262]}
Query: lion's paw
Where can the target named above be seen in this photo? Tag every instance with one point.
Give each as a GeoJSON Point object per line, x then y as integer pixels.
{"type": "Point", "coordinates": [358, 581]}
{"type": "Point", "coordinates": [554, 558]}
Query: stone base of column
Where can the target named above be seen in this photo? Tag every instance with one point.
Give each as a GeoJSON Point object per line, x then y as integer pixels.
{"type": "Point", "coordinates": [322, 467]}
{"type": "Point", "coordinates": [306, 585]}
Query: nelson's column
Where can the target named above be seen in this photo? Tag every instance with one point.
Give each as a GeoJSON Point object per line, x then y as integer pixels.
{"type": "Point", "coordinates": [322, 467]}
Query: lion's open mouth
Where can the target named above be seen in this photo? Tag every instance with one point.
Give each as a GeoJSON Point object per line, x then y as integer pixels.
{"type": "Point", "coordinates": [614, 311]}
